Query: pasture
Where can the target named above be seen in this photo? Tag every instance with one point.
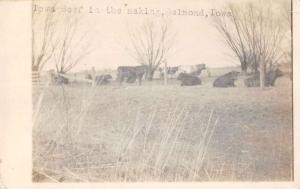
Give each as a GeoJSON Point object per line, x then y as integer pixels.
{"type": "Point", "coordinates": [163, 133]}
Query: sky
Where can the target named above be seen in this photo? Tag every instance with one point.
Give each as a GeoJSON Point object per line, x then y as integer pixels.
{"type": "Point", "coordinates": [196, 39]}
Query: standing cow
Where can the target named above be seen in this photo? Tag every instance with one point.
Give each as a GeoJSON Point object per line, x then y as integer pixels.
{"type": "Point", "coordinates": [131, 73]}
{"type": "Point", "coordinates": [226, 80]}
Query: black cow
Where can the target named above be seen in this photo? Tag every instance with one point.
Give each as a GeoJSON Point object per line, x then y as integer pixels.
{"type": "Point", "coordinates": [192, 69]}
{"type": "Point", "coordinates": [188, 79]}
{"type": "Point", "coordinates": [270, 79]}
{"type": "Point", "coordinates": [226, 80]}
{"type": "Point", "coordinates": [131, 73]}
{"type": "Point", "coordinates": [103, 79]}
{"type": "Point", "coordinates": [170, 71]}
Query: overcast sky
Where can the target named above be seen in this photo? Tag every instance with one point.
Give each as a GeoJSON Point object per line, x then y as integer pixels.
{"type": "Point", "coordinates": [197, 41]}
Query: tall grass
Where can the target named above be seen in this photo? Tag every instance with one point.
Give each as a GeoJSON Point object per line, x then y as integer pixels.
{"type": "Point", "coordinates": [139, 142]}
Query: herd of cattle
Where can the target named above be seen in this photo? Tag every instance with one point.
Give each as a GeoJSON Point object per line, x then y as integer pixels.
{"type": "Point", "coordinates": [188, 75]}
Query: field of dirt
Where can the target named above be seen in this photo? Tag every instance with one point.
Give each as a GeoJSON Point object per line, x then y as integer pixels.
{"type": "Point", "coordinates": [163, 133]}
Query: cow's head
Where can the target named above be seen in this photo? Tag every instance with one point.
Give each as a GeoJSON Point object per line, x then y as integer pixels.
{"type": "Point", "coordinates": [180, 77]}
{"type": "Point", "coordinates": [201, 66]}
{"type": "Point", "coordinates": [273, 75]}
{"type": "Point", "coordinates": [278, 72]}
{"type": "Point", "coordinates": [235, 74]}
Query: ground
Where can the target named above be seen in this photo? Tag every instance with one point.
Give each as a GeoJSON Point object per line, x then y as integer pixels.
{"type": "Point", "coordinates": [163, 133]}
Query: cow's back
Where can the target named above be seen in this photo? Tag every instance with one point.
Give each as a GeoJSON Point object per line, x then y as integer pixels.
{"type": "Point", "coordinates": [226, 80]}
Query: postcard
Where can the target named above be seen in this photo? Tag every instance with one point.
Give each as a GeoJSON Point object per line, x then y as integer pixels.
{"type": "Point", "coordinates": [130, 93]}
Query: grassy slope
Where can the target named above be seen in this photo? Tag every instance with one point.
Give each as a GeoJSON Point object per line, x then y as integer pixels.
{"type": "Point", "coordinates": [164, 133]}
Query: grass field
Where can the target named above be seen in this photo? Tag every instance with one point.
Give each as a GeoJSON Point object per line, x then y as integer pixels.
{"type": "Point", "coordinates": [163, 133]}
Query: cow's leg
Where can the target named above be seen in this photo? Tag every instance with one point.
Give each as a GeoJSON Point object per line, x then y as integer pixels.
{"type": "Point", "coordinates": [193, 82]}
{"type": "Point", "coordinates": [232, 83]}
{"type": "Point", "coordinates": [118, 77]}
{"type": "Point", "coordinates": [161, 75]}
{"type": "Point", "coordinates": [229, 84]}
{"type": "Point", "coordinates": [185, 83]}
{"type": "Point", "coordinates": [121, 79]}
{"type": "Point", "coordinates": [140, 79]}
{"type": "Point", "coordinates": [247, 83]}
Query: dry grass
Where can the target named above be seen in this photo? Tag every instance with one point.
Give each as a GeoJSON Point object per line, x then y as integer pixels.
{"type": "Point", "coordinates": [163, 133]}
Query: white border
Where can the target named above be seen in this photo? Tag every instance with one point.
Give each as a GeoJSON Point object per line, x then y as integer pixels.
{"type": "Point", "coordinates": [15, 116]}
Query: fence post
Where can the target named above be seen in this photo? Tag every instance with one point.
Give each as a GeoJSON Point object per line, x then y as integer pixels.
{"type": "Point", "coordinates": [93, 73]}
{"type": "Point", "coordinates": [165, 73]}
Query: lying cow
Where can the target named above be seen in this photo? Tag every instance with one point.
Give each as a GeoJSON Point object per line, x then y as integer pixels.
{"type": "Point", "coordinates": [58, 79]}
{"type": "Point", "coordinates": [171, 71]}
{"type": "Point", "coordinates": [192, 69]}
{"type": "Point", "coordinates": [131, 73]}
{"type": "Point", "coordinates": [270, 79]}
{"type": "Point", "coordinates": [188, 79]}
{"type": "Point", "coordinates": [103, 79]}
{"type": "Point", "coordinates": [226, 80]}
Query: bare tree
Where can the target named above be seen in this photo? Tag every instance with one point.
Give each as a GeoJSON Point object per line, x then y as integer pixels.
{"type": "Point", "coordinates": [253, 34]}
{"type": "Point", "coordinates": [72, 44]}
{"type": "Point", "coordinates": [43, 30]}
{"type": "Point", "coordinates": [230, 30]}
{"type": "Point", "coordinates": [151, 43]}
{"type": "Point", "coordinates": [287, 24]}
{"type": "Point", "coordinates": [58, 38]}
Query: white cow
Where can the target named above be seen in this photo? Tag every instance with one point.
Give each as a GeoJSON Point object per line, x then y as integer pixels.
{"type": "Point", "coordinates": [192, 69]}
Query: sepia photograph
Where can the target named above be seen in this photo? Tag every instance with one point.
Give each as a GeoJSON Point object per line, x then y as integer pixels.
{"type": "Point", "coordinates": [176, 91]}
{"type": "Point", "coordinates": [117, 93]}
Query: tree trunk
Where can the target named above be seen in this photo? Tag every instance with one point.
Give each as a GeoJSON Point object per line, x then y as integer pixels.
{"type": "Point", "coordinates": [262, 74]}
{"type": "Point", "coordinates": [35, 68]}
{"type": "Point", "coordinates": [244, 68]}
{"type": "Point", "coordinates": [166, 74]}
{"type": "Point", "coordinates": [93, 73]}
{"type": "Point", "coordinates": [255, 67]}
{"type": "Point", "coordinates": [150, 74]}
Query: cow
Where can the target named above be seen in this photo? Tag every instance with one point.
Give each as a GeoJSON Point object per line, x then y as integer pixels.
{"type": "Point", "coordinates": [103, 79]}
{"type": "Point", "coordinates": [188, 79]}
{"type": "Point", "coordinates": [88, 76]}
{"type": "Point", "coordinates": [270, 78]}
{"type": "Point", "coordinates": [192, 69]}
{"type": "Point", "coordinates": [170, 71]}
{"type": "Point", "coordinates": [131, 73]}
{"type": "Point", "coordinates": [58, 79]}
{"type": "Point", "coordinates": [226, 80]}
